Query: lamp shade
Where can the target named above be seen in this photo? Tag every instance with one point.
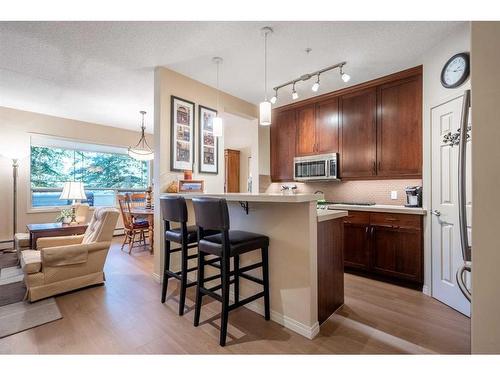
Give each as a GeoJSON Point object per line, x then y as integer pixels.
{"type": "Point", "coordinates": [73, 190]}
{"type": "Point", "coordinates": [265, 113]}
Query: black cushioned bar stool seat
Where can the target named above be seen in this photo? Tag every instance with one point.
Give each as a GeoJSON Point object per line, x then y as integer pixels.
{"type": "Point", "coordinates": [175, 234]}
{"type": "Point", "coordinates": [212, 214]}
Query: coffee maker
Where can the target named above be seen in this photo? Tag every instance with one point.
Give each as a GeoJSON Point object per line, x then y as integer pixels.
{"type": "Point", "coordinates": [413, 196]}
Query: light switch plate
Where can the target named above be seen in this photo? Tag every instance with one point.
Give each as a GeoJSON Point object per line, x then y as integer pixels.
{"type": "Point", "coordinates": [394, 194]}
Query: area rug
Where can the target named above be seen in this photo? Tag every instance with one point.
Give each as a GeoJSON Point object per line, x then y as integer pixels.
{"type": "Point", "coordinates": [21, 316]}
{"type": "Point", "coordinates": [12, 287]}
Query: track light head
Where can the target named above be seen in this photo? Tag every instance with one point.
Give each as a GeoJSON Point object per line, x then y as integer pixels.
{"type": "Point", "coordinates": [315, 86]}
{"type": "Point", "coordinates": [274, 99]}
{"type": "Point", "coordinates": [294, 93]}
{"type": "Point", "coordinates": [345, 77]}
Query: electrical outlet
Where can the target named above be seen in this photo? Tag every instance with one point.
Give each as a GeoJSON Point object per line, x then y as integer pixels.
{"type": "Point", "coordinates": [394, 194]}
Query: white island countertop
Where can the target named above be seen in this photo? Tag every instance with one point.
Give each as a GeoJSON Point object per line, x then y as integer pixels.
{"type": "Point", "coordinates": [257, 197]}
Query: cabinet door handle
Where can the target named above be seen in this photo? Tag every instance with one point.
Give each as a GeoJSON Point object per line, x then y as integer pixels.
{"type": "Point", "coordinates": [379, 166]}
{"type": "Point", "coordinates": [374, 168]}
{"type": "Point", "coordinates": [366, 231]}
{"type": "Point", "coordinates": [372, 230]}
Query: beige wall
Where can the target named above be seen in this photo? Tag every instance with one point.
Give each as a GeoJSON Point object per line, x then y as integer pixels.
{"type": "Point", "coordinates": [485, 79]}
{"type": "Point", "coordinates": [17, 126]}
{"type": "Point", "coordinates": [167, 83]}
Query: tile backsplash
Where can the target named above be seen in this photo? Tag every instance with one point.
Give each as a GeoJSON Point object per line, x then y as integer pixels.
{"type": "Point", "coordinates": [378, 191]}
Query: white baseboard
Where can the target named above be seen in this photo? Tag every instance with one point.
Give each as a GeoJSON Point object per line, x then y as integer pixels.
{"type": "Point", "coordinates": [426, 290]}
{"type": "Point", "coordinates": [304, 330]}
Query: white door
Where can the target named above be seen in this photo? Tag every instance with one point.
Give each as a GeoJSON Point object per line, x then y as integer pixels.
{"type": "Point", "coordinates": [446, 248]}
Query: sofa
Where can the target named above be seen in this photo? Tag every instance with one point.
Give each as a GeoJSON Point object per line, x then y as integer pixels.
{"type": "Point", "coordinates": [62, 264]}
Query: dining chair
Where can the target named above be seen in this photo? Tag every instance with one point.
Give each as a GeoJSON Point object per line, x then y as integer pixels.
{"type": "Point", "coordinates": [131, 228]}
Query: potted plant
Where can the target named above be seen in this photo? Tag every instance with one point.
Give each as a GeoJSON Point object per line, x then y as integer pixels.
{"type": "Point", "coordinates": [65, 216]}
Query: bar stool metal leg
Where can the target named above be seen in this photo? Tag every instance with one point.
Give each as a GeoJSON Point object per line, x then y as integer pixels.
{"type": "Point", "coordinates": [166, 267]}
{"type": "Point", "coordinates": [265, 279]}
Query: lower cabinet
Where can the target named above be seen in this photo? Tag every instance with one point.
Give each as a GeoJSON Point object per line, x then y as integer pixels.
{"type": "Point", "coordinates": [387, 245]}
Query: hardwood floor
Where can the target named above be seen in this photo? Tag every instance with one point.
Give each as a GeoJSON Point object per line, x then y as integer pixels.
{"type": "Point", "coordinates": [126, 316]}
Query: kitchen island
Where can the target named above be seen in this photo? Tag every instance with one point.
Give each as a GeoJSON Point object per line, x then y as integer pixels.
{"type": "Point", "coordinates": [305, 252]}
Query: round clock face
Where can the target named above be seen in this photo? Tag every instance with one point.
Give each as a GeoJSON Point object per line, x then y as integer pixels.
{"type": "Point", "coordinates": [455, 71]}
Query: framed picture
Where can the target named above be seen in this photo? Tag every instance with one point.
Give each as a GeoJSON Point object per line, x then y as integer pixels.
{"type": "Point", "coordinates": [191, 186]}
{"type": "Point", "coordinates": [208, 144]}
{"type": "Point", "coordinates": [182, 134]}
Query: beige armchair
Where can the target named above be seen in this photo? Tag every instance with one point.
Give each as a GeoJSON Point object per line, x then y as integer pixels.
{"type": "Point", "coordinates": [62, 264]}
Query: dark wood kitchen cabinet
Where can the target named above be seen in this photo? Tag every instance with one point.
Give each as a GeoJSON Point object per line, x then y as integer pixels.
{"type": "Point", "coordinates": [356, 244]}
{"type": "Point", "coordinates": [318, 128]}
{"type": "Point", "coordinates": [306, 131]}
{"type": "Point", "coordinates": [358, 153]}
{"type": "Point", "coordinates": [282, 139]}
{"type": "Point", "coordinates": [399, 128]}
{"type": "Point", "coordinates": [392, 244]}
{"type": "Point", "coordinates": [376, 127]}
{"type": "Point", "coordinates": [327, 126]}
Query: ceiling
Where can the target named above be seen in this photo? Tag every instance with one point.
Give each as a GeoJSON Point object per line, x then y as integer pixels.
{"type": "Point", "coordinates": [102, 72]}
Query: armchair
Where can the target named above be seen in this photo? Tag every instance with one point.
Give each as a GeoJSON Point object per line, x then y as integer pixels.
{"type": "Point", "coordinates": [62, 264]}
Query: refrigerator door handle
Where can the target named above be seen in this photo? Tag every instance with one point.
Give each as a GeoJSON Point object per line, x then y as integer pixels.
{"type": "Point", "coordinates": [462, 213]}
{"type": "Point", "coordinates": [461, 280]}
{"type": "Point", "coordinates": [462, 150]}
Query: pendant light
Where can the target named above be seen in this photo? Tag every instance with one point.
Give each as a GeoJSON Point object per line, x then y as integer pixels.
{"type": "Point", "coordinates": [265, 106]}
{"type": "Point", "coordinates": [141, 151]}
{"type": "Point", "coordinates": [217, 121]}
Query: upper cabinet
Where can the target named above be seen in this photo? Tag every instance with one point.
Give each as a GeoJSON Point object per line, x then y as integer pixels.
{"type": "Point", "coordinates": [327, 126]}
{"type": "Point", "coordinates": [283, 135]}
{"type": "Point", "coordinates": [306, 131]}
{"type": "Point", "coordinates": [376, 127]}
{"type": "Point", "coordinates": [399, 128]}
{"type": "Point", "coordinates": [358, 154]}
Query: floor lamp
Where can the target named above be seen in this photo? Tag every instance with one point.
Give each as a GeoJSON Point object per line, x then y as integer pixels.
{"type": "Point", "coordinates": [15, 166]}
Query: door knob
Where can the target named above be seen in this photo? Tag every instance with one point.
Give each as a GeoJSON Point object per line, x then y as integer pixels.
{"type": "Point", "coordinates": [436, 212]}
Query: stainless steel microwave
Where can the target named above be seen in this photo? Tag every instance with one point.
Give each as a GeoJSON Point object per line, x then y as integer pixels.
{"type": "Point", "coordinates": [315, 167]}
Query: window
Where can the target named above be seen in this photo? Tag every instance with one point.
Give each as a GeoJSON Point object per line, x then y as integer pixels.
{"type": "Point", "coordinates": [104, 170]}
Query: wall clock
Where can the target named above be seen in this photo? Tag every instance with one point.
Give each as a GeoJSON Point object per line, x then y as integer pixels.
{"type": "Point", "coordinates": [455, 71]}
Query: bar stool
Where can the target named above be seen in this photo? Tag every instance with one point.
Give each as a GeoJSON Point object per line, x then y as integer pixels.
{"type": "Point", "coordinates": [174, 209]}
{"type": "Point", "coordinates": [213, 214]}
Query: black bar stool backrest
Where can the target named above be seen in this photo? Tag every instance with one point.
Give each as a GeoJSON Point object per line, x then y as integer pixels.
{"type": "Point", "coordinates": [211, 213]}
{"type": "Point", "coordinates": [174, 209]}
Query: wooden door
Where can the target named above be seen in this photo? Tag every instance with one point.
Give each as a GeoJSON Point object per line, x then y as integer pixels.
{"type": "Point", "coordinates": [306, 131]}
{"type": "Point", "coordinates": [399, 128]}
{"type": "Point", "coordinates": [327, 126]}
{"type": "Point", "coordinates": [232, 171]}
{"type": "Point", "coordinates": [356, 240]}
{"type": "Point", "coordinates": [359, 134]}
{"type": "Point", "coordinates": [282, 145]}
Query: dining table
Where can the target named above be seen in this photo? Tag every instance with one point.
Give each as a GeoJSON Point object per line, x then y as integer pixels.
{"type": "Point", "coordinates": [148, 213]}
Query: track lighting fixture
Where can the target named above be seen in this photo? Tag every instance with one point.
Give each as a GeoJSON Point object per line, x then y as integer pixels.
{"type": "Point", "coordinates": [305, 77]}
{"type": "Point", "coordinates": [294, 93]}
{"type": "Point", "coordinates": [315, 87]}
